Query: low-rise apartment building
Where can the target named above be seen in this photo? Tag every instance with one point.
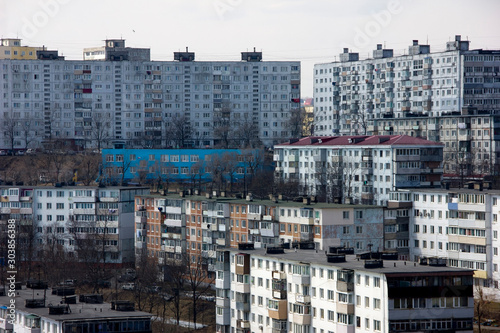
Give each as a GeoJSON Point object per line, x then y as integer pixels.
{"type": "Point", "coordinates": [361, 169]}
{"type": "Point", "coordinates": [59, 216]}
{"type": "Point", "coordinates": [167, 227]}
{"type": "Point", "coordinates": [460, 226]}
{"type": "Point", "coordinates": [43, 312]}
{"type": "Point", "coordinates": [277, 290]}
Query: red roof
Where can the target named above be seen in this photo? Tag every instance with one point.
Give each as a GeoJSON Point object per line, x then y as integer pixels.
{"type": "Point", "coordinates": [361, 140]}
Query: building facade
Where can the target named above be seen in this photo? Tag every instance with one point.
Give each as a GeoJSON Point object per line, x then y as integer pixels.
{"type": "Point", "coordinates": [57, 217]}
{"type": "Point", "coordinates": [134, 102]}
{"type": "Point", "coordinates": [47, 312]}
{"type": "Point", "coordinates": [420, 93]}
{"type": "Point", "coordinates": [362, 169]}
{"type": "Point", "coordinates": [459, 226]}
{"type": "Point", "coordinates": [168, 227]}
{"type": "Point", "coordinates": [276, 290]}
{"type": "Point", "coordinates": [180, 165]}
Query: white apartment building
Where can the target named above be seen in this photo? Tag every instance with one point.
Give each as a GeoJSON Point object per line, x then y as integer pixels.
{"type": "Point", "coordinates": [353, 96]}
{"type": "Point", "coordinates": [40, 311]}
{"type": "Point", "coordinates": [304, 291]}
{"type": "Point", "coordinates": [451, 97]}
{"type": "Point", "coordinates": [459, 226]}
{"type": "Point", "coordinates": [359, 227]}
{"type": "Point", "coordinates": [361, 169]}
{"type": "Point", "coordinates": [59, 214]}
{"type": "Point", "coordinates": [133, 102]}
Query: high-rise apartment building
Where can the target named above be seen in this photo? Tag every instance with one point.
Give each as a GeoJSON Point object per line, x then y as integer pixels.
{"type": "Point", "coordinates": [120, 98]}
{"type": "Point", "coordinates": [440, 96]}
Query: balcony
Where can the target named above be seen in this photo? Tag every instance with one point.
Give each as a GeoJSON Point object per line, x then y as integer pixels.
{"type": "Point", "coordinates": [301, 279]}
{"type": "Point", "coordinates": [141, 219]}
{"type": "Point", "coordinates": [277, 275]}
{"type": "Point", "coordinates": [222, 283]}
{"type": "Point", "coordinates": [4, 324]}
{"type": "Point", "coordinates": [345, 308]}
{"type": "Point", "coordinates": [26, 211]}
{"type": "Point", "coordinates": [304, 299]}
{"type": "Point", "coordinates": [170, 235]}
{"type": "Point", "coordinates": [243, 288]}
{"type": "Point", "coordinates": [243, 324]}
{"type": "Point", "coordinates": [278, 310]}
{"type": "Point", "coordinates": [172, 223]}
{"type": "Point", "coordinates": [221, 241]}
{"type": "Point", "coordinates": [279, 294]}
{"type": "Point", "coordinates": [223, 302]}
{"type": "Point", "coordinates": [108, 199]}
{"type": "Point", "coordinates": [224, 318]}
{"type": "Point", "coordinates": [345, 286]}
{"type": "Point", "coordinates": [302, 319]}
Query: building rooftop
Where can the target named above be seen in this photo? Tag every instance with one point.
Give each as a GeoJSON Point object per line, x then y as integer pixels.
{"type": "Point", "coordinates": [361, 140]}
{"type": "Point", "coordinates": [390, 267]}
{"type": "Point", "coordinates": [254, 201]}
{"type": "Point", "coordinates": [78, 311]}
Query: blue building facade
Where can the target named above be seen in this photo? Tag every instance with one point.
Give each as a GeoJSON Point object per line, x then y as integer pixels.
{"type": "Point", "coordinates": [179, 164]}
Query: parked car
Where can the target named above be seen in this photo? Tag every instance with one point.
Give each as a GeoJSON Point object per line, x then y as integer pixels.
{"type": "Point", "coordinates": [3, 153]}
{"type": "Point", "coordinates": [30, 151]}
{"type": "Point", "coordinates": [154, 289]}
{"type": "Point", "coordinates": [128, 286]}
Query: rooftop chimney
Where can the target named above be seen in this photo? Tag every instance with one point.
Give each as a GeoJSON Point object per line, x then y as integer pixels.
{"type": "Point", "coordinates": [415, 42]}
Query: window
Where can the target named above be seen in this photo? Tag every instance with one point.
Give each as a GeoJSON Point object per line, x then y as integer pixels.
{"type": "Point", "coordinates": [345, 214]}
{"type": "Point", "coordinates": [376, 325]}
{"type": "Point", "coordinates": [376, 303]}
{"type": "Point", "coordinates": [376, 282]}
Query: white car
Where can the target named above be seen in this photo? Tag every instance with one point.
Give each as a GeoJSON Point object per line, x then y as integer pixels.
{"type": "Point", "coordinates": [128, 286]}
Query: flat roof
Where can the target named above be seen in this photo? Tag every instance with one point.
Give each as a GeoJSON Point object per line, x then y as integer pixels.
{"type": "Point", "coordinates": [79, 311]}
{"type": "Point", "coordinates": [267, 202]}
{"type": "Point", "coordinates": [391, 267]}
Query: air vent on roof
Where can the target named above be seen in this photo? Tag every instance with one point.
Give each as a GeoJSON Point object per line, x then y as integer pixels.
{"type": "Point", "coordinates": [123, 306]}
{"type": "Point", "coordinates": [245, 246]}
{"type": "Point", "coordinates": [341, 250]}
{"type": "Point", "coordinates": [334, 257]}
{"type": "Point", "coordinates": [35, 303]}
{"type": "Point", "coordinates": [382, 139]}
{"type": "Point", "coordinates": [275, 250]}
{"type": "Point", "coordinates": [59, 309]}
{"type": "Point", "coordinates": [91, 299]}
{"type": "Point", "coordinates": [63, 291]}
{"type": "Point", "coordinates": [374, 263]}
{"type": "Point", "coordinates": [356, 140]}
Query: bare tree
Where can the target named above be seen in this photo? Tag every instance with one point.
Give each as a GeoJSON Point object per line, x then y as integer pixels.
{"type": "Point", "coordinates": [299, 123]}
{"type": "Point", "coordinates": [28, 131]}
{"type": "Point", "coordinates": [10, 128]}
{"type": "Point", "coordinates": [482, 306]}
{"type": "Point", "coordinates": [147, 277]}
{"type": "Point", "coordinates": [174, 282]}
{"type": "Point", "coordinates": [197, 280]}
{"type": "Point", "coordinates": [178, 130]}
{"type": "Point", "coordinates": [247, 133]}
{"type": "Point", "coordinates": [359, 123]}
{"type": "Point", "coordinates": [101, 129]}
{"type": "Point", "coordinates": [222, 127]}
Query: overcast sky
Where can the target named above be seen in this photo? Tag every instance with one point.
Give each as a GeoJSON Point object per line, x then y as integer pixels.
{"type": "Point", "coordinates": [311, 31]}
